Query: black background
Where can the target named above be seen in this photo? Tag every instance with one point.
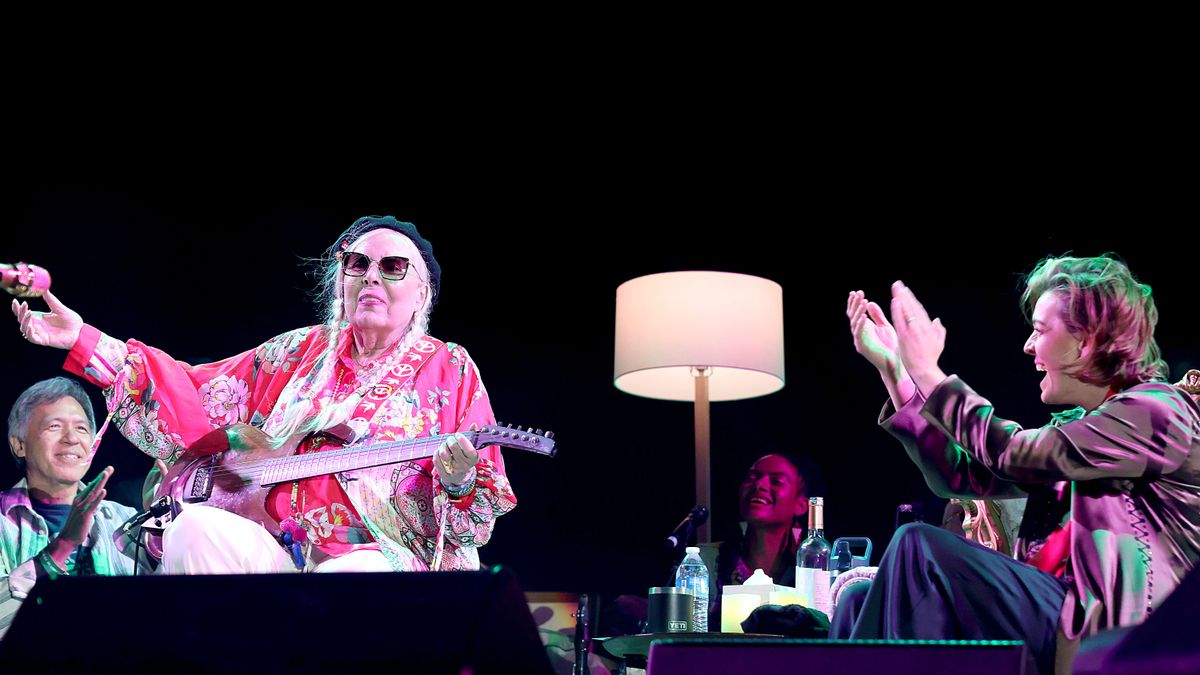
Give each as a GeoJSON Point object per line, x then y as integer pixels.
{"type": "Point", "coordinates": [188, 233]}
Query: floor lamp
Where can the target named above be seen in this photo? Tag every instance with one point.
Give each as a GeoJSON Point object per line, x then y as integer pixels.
{"type": "Point", "coordinates": [699, 336]}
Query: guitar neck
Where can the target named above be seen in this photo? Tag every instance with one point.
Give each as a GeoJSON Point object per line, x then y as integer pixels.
{"type": "Point", "coordinates": [297, 467]}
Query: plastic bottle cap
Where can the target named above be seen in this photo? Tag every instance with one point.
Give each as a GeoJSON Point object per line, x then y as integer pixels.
{"type": "Point", "coordinates": [759, 578]}
{"type": "Point", "coordinates": [692, 549]}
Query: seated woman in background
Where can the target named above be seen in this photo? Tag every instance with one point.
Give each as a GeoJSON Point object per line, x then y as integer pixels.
{"type": "Point", "coordinates": [772, 503]}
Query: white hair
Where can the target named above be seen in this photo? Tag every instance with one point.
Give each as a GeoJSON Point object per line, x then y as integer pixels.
{"type": "Point", "coordinates": [298, 418]}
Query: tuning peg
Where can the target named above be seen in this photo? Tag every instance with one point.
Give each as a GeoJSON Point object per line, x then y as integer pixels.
{"type": "Point", "coordinates": [510, 426]}
{"type": "Point", "coordinates": [499, 423]}
{"type": "Point", "coordinates": [538, 432]}
{"type": "Point", "coordinates": [549, 434]}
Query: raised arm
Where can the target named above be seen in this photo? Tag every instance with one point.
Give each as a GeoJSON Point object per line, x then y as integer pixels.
{"type": "Point", "coordinates": [875, 339]}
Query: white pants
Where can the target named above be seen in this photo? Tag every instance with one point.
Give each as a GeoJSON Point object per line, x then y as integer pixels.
{"type": "Point", "coordinates": [207, 540]}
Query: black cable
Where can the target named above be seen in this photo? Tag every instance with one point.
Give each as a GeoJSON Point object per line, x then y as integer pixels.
{"type": "Point", "coordinates": [139, 549]}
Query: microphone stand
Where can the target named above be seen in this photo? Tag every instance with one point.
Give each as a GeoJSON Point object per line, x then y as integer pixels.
{"type": "Point", "coordinates": [680, 549]}
{"type": "Point", "coordinates": [158, 509]}
{"type": "Point", "coordinates": [583, 636]}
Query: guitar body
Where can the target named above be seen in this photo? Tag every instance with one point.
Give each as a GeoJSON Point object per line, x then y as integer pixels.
{"type": "Point", "coordinates": [235, 467]}
{"type": "Point", "coordinates": [213, 472]}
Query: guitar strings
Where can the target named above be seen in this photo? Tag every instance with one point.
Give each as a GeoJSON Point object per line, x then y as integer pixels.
{"type": "Point", "coordinates": [256, 467]}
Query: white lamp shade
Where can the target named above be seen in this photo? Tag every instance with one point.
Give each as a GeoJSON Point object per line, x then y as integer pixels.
{"type": "Point", "coordinates": [669, 323]}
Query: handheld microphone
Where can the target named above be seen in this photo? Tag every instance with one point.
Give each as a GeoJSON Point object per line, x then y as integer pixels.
{"type": "Point", "coordinates": [682, 532]}
{"type": "Point", "coordinates": [24, 281]}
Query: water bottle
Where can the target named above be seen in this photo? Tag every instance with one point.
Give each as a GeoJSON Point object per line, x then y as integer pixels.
{"type": "Point", "coordinates": [693, 574]}
{"type": "Point", "coordinates": [842, 559]}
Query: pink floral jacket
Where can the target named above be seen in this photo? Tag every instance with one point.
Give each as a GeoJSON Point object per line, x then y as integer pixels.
{"type": "Point", "coordinates": [165, 405]}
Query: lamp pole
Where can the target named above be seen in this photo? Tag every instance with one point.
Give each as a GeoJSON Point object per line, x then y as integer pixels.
{"type": "Point", "coordinates": [703, 482]}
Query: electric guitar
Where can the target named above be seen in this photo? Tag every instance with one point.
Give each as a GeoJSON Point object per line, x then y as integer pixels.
{"type": "Point", "coordinates": [234, 468]}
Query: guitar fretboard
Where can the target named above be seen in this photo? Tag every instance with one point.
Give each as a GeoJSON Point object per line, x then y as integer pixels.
{"type": "Point", "coordinates": [296, 467]}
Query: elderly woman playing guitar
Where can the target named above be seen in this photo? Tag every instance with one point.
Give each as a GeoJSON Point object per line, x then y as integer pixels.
{"type": "Point", "coordinates": [329, 448]}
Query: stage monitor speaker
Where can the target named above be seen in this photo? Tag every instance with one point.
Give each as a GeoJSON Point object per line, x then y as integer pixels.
{"type": "Point", "coordinates": [894, 657]}
{"type": "Point", "coordinates": [419, 622]}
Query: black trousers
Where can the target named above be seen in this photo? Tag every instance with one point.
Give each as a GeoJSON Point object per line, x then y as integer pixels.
{"type": "Point", "coordinates": [935, 585]}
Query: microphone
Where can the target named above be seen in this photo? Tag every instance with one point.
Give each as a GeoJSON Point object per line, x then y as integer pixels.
{"type": "Point", "coordinates": [24, 281]}
{"type": "Point", "coordinates": [683, 531]}
{"type": "Point", "coordinates": [158, 508]}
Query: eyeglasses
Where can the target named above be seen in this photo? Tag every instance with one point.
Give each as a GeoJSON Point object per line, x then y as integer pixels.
{"type": "Point", "coordinates": [392, 267]}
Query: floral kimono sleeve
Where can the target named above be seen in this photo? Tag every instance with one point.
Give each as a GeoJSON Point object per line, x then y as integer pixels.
{"type": "Point", "coordinates": [163, 406]}
{"type": "Point", "coordinates": [470, 518]}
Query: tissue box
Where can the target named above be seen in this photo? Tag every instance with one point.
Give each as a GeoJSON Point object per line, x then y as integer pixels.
{"type": "Point", "coordinates": [737, 602]}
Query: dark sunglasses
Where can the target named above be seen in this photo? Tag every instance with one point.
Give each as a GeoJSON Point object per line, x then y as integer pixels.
{"type": "Point", "coordinates": [392, 267]}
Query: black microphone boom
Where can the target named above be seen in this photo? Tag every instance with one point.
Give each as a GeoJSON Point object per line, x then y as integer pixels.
{"type": "Point", "coordinates": [158, 508]}
{"type": "Point", "coordinates": [683, 531]}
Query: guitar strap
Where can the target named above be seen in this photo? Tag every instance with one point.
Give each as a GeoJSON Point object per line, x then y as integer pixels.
{"type": "Point", "coordinates": [397, 378]}
{"type": "Point", "coordinates": [292, 533]}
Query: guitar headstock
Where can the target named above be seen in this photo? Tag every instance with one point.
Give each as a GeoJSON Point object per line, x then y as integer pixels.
{"type": "Point", "coordinates": [506, 436]}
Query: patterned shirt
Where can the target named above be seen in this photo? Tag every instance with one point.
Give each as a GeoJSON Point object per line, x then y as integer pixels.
{"type": "Point", "coordinates": [24, 534]}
